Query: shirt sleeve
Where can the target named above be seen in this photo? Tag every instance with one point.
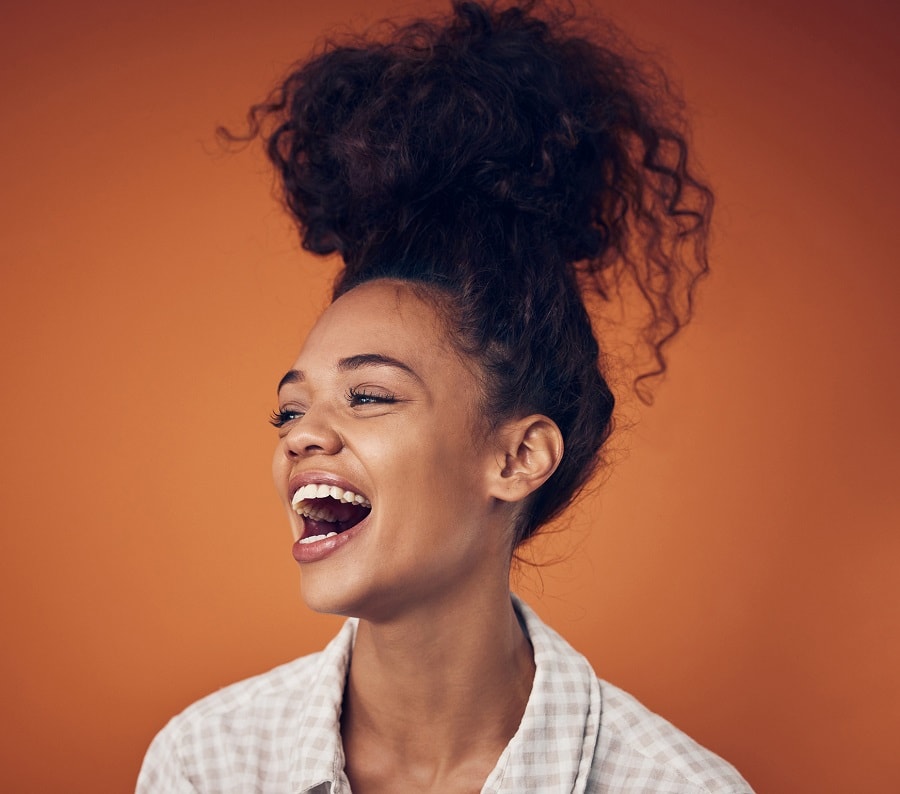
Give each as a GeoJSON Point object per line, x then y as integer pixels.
{"type": "Point", "coordinates": [163, 768]}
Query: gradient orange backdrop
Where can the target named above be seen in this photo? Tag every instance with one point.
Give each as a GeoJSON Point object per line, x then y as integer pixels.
{"type": "Point", "coordinates": [739, 569]}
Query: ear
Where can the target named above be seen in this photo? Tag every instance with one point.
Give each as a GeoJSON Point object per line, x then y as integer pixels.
{"type": "Point", "coordinates": [529, 450]}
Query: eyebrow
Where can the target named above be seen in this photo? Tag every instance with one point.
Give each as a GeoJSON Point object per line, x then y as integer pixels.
{"type": "Point", "coordinates": [352, 363]}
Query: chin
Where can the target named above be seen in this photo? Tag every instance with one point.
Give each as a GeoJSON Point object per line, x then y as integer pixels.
{"type": "Point", "coordinates": [330, 593]}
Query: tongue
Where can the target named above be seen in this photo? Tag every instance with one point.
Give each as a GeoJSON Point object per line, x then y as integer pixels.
{"type": "Point", "coordinates": [346, 515]}
{"type": "Point", "coordinates": [314, 528]}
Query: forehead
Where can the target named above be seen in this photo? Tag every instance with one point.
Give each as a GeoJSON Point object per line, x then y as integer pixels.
{"type": "Point", "coordinates": [385, 317]}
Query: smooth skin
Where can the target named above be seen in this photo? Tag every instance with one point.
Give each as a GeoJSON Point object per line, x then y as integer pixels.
{"type": "Point", "coordinates": [441, 671]}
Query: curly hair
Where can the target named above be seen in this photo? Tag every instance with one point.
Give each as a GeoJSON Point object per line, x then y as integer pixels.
{"type": "Point", "coordinates": [510, 161]}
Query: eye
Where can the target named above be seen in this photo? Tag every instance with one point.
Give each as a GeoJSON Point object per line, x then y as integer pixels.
{"type": "Point", "coordinates": [282, 416]}
{"type": "Point", "coordinates": [367, 396]}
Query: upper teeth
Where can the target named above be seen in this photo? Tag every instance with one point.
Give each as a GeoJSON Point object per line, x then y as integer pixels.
{"type": "Point", "coordinates": [314, 491]}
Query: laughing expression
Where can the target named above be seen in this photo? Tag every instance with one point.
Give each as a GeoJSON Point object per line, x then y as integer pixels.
{"type": "Point", "coordinates": [384, 460]}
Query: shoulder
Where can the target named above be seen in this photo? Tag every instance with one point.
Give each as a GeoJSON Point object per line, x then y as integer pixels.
{"type": "Point", "coordinates": [244, 737]}
{"type": "Point", "coordinates": [262, 699]}
{"type": "Point", "coordinates": [640, 751]}
{"type": "Point", "coordinates": [236, 723]}
{"type": "Point", "coordinates": [623, 747]}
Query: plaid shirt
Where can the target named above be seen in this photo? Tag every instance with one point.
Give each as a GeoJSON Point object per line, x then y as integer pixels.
{"type": "Point", "coordinates": [280, 732]}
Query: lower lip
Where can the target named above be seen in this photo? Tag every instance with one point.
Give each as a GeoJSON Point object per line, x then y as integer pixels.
{"type": "Point", "coordinates": [313, 552]}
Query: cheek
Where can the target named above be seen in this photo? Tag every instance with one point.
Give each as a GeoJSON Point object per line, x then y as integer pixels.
{"type": "Point", "coordinates": [455, 471]}
{"type": "Point", "coordinates": [280, 469]}
{"type": "Point", "coordinates": [428, 466]}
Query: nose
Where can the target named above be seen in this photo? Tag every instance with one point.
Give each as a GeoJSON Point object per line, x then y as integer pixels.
{"type": "Point", "coordinates": [312, 434]}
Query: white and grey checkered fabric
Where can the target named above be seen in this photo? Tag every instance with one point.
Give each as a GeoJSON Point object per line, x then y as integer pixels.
{"type": "Point", "coordinates": [280, 732]}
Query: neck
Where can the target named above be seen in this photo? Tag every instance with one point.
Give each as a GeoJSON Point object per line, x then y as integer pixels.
{"type": "Point", "coordinates": [430, 686]}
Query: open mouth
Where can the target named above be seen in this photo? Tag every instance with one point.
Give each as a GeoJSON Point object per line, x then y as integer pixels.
{"type": "Point", "coordinates": [327, 510]}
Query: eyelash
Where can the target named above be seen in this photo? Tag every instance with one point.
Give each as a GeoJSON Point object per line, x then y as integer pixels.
{"type": "Point", "coordinates": [281, 418]}
{"type": "Point", "coordinates": [354, 397]}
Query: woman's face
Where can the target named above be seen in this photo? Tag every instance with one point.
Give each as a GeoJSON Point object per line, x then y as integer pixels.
{"type": "Point", "coordinates": [384, 463]}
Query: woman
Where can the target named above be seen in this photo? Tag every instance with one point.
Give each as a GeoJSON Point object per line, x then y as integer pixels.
{"type": "Point", "coordinates": [476, 174]}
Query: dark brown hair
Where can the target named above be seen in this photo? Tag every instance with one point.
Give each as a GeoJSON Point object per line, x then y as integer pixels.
{"type": "Point", "coordinates": [506, 158]}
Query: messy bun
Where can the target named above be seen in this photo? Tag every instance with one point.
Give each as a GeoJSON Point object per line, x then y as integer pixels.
{"type": "Point", "coordinates": [503, 159]}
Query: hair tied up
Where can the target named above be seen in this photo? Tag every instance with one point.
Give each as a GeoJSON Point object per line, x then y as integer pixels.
{"type": "Point", "coordinates": [508, 156]}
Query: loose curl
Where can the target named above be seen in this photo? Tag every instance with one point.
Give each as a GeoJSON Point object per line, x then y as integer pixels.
{"type": "Point", "coordinates": [508, 160]}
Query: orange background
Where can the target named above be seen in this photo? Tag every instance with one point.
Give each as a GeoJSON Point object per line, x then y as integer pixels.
{"type": "Point", "coordinates": [739, 569]}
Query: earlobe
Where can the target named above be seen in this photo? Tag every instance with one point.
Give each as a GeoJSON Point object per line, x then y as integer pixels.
{"type": "Point", "coordinates": [531, 448]}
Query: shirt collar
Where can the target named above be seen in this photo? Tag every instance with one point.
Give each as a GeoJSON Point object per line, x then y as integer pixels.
{"type": "Point", "coordinates": [317, 760]}
{"type": "Point", "coordinates": [552, 749]}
